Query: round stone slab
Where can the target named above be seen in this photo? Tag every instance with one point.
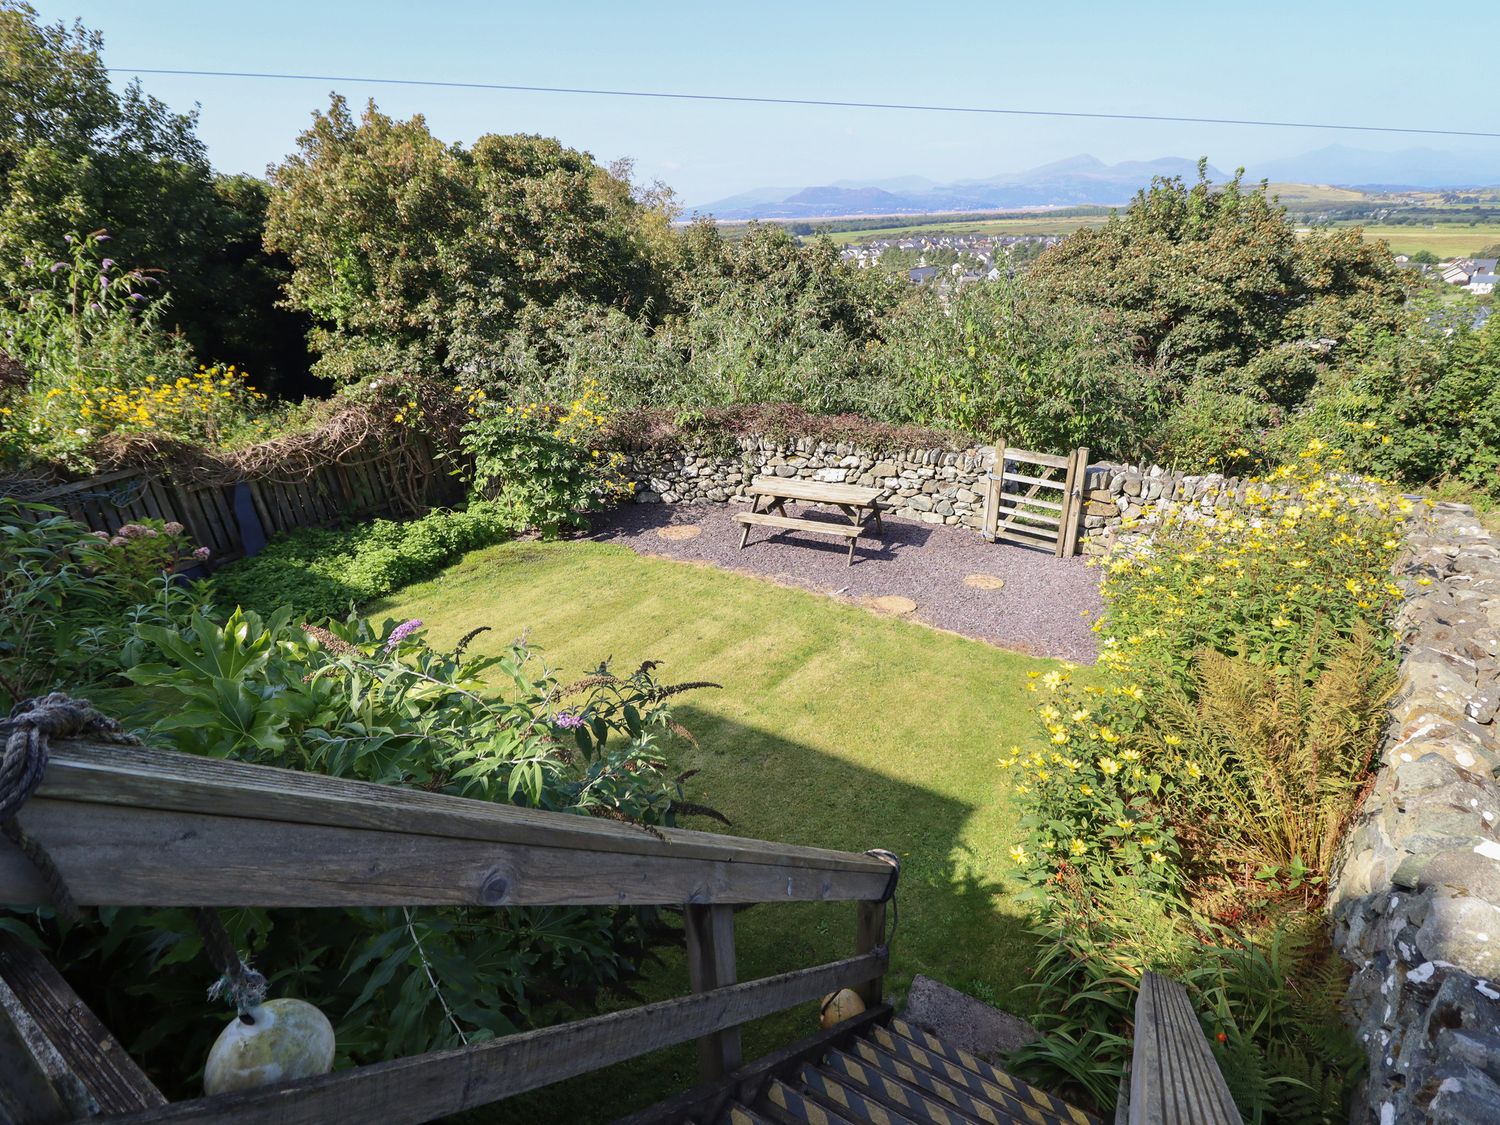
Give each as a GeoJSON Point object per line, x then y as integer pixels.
{"type": "Point", "coordinates": [679, 531]}
{"type": "Point", "coordinates": [893, 604]}
{"type": "Point", "coordinates": [984, 582]}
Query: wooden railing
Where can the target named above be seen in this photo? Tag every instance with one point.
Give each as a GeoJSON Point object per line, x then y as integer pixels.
{"type": "Point", "coordinates": [133, 826]}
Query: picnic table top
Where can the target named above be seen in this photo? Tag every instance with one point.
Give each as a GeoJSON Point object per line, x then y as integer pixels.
{"type": "Point", "coordinates": [815, 491]}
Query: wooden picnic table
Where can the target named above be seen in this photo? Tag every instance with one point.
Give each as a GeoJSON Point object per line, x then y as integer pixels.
{"type": "Point", "coordinates": [855, 501]}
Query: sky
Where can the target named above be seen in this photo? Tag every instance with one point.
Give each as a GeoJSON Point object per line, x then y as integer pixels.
{"type": "Point", "coordinates": [1373, 63]}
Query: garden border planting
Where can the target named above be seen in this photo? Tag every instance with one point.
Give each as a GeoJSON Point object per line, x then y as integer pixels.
{"type": "Point", "coordinates": [1416, 899]}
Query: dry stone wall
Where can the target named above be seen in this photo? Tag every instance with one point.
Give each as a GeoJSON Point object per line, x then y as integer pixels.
{"type": "Point", "coordinates": [928, 485]}
{"type": "Point", "coordinates": [1416, 899]}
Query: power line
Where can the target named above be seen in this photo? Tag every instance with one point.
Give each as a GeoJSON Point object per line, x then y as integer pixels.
{"type": "Point", "coordinates": [743, 98]}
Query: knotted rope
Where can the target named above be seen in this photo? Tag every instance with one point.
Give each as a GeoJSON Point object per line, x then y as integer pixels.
{"type": "Point", "coordinates": [32, 724]}
{"type": "Point", "coordinates": [27, 735]}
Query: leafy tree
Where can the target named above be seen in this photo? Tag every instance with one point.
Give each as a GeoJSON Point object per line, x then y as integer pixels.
{"type": "Point", "coordinates": [1203, 278]}
{"type": "Point", "coordinates": [76, 156]}
{"type": "Point", "coordinates": [417, 256]}
{"type": "Point", "coordinates": [999, 361]}
{"type": "Point", "coordinates": [1424, 258]}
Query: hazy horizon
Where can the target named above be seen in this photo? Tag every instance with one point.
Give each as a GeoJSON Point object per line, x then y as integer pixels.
{"type": "Point", "coordinates": [1281, 62]}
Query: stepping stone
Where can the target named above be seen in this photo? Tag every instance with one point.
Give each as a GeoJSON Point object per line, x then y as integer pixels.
{"type": "Point", "coordinates": [679, 531]}
{"type": "Point", "coordinates": [984, 582]}
{"type": "Point", "coordinates": [894, 604]}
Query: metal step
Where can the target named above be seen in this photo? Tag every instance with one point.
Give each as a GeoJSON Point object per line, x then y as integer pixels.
{"type": "Point", "coordinates": [900, 1096]}
{"type": "Point", "coordinates": [975, 1105]}
{"type": "Point", "coordinates": [914, 1046]}
{"type": "Point", "coordinates": [850, 1102]}
{"type": "Point", "coordinates": [737, 1114]}
{"type": "Point", "coordinates": [796, 1108]}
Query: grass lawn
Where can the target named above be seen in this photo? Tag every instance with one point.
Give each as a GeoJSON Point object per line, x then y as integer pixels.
{"type": "Point", "coordinates": [836, 727]}
{"type": "Point", "coordinates": [1446, 240]}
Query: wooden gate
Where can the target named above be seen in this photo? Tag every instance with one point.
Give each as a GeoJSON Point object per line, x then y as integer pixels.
{"type": "Point", "coordinates": [1040, 507]}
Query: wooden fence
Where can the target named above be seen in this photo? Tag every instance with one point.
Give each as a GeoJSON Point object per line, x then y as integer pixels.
{"type": "Point", "coordinates": [236, 518]}
{"type": "Point", "coordinates": [136, 826]}
{"type": "Point", "coordinates": [1046, 514]}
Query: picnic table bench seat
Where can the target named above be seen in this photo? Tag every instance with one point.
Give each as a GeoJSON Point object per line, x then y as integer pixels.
{"type": "Point", "coordinates": [856, 502]}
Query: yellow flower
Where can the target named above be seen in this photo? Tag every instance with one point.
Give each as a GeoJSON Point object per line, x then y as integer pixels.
{"type": "Point", "coordinates": [1125, 824]}
{"type": "Point", "coordinates": [1018, 854]}
{"type": "Point", "coordinates": [1077, 847]}
{"type": "Point", "coordinates": [1109, 766]}
{"type": "Point", "coordinates": [1171, 740]}
{"type": "Point", "coordinates": [1157, 857]}
{"type": "Point", "coordinates": [1195, 771]}
{"type": "Point", "coordinates": [1148, 841]}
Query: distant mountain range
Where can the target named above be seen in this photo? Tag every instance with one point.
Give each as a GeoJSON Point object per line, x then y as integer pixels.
{"type": "Point", "coordinates": [1088, 180]}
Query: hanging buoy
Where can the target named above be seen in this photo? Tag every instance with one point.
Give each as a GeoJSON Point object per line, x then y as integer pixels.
{"type": "Point", "coordinates": [840, 1006]}
{"type": "Point", "coordinates": [272, 1042]}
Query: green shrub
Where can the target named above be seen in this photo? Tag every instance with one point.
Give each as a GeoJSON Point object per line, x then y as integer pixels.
{"type": "Point", "coordinates": [1197, 787]}
{"type": "Point", "coordinates": [546, 460]}
{"type": "Point", "coordinates": [321, 574]}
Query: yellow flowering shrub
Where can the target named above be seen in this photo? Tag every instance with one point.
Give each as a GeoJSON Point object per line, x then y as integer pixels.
{"type": "Point", "coordinates": [547, 457]}
{"type": "Point", "coordinates": [1245, 657]}
{"type": "Point", "coordinates": [206, 406]}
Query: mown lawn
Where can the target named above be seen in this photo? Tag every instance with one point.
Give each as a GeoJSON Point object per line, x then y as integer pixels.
{"type": "Point", "coordinates": [835, 727]}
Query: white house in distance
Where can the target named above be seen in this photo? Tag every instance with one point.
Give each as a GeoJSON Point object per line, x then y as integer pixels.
{"type": "Point", "coordinates": [1477, 275]}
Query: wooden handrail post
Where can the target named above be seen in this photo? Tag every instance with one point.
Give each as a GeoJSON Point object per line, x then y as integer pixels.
{"type": "Point", "coordinates": [869, 934]}
{"type": "Point", "coordinates": [710, 951]}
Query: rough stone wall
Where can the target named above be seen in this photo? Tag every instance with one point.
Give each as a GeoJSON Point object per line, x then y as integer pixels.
{"type": "Point", "coordinates": [1416, 900]}
{"type": "Point", "coordinates": [929, 485]}
{"type": "Point", "coordinates": [1117, 495]}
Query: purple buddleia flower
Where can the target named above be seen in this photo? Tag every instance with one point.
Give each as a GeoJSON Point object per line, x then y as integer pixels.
{"type": "Point", "coordinates": [401, 632]}
{"type": "Point", "coordinates": [104, 265]}
{"type": "Point", "coordinates": [567, 720]}
{"type": "Point", "coordinates": [55, 266]}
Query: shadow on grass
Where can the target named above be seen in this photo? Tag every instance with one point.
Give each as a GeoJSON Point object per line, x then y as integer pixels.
{"type": "Point", "coordinates": [951, 925]}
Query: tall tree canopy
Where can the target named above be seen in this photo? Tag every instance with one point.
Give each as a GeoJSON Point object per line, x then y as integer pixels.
{"type": "Point", "coordinates": [76, 156]}
{"type": "Point", "coordinates": [416, 256]}
{"type": "Point", "coordinates": [1208, 278]}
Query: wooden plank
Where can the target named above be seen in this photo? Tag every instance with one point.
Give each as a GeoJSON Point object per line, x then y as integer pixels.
{"type": "Point", "coordinates": [848, 530]}
{"type": "Point", "coordinates": [85, 485]}
{"type": "Point", "coordinates": [438, 1083]}
{"type": "Point", "coordinates": [707, 1102]}
{"type": "Point", "coordinates": [1022, 478]}
{"type": "Point", "coordinates": [28, 1093]}
{"type": "Point", "coordinates": [1174, 1079]}
{"type": "Point", "coordinates": [1049, 505]}
{"type": "Point", "coordinates": [993, 486]}
{"type": "Point", "coordinates": [109, 1076]}
{"type": "Point", "coordinates": [869, 935]}
{"type": "Point", "coordinates": [1020, 512]}
{"type": "Point", "coordinates": [1076, 476]}
{"type": "Point", "coordinates": [814, 491]}
{"type": "Point", "coordinates": [1050, 460]}
{"type": "Point", "coordinates": [124, 826]}
{"type": "Point", "coordinates": [1037, 539]}
{"type": "Point", "coordinates": [710, 950]}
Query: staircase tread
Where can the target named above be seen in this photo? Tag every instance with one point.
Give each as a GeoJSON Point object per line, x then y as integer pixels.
{"type": "Point", "coordinates": [1003, 1109]}
{"type": "Point", "coordinates": [901, 1096]}
{"type": "Point", "coordinates": [960, 1067]}
{"type": "Point", "coordinates": [850, 1101]}
{"type": "Point", "coordinates": [794, 1105]}
{"type": "Point", "coordinates": [737, 1114]}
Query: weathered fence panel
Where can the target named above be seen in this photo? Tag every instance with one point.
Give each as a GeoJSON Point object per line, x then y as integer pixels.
{"type": "Point", "coordinates": [1047, 512]}
{"type": "Point", "coordinates": [362, 484]}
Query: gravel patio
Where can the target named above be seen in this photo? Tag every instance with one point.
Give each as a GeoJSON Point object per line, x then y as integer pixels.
{"type": "Point", "coordinates": [1042, 605]}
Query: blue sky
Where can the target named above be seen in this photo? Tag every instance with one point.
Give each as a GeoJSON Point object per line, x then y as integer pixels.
{"type": "Point", "coordinates": [1371, 63]}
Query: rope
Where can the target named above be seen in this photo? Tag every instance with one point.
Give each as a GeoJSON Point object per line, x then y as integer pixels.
{"type": "Point", "coordinates": [32, 724]}
{"type": "Point", "coordinates": [28, 732]}
{"type": "Point", "coordinates": [241, 985]}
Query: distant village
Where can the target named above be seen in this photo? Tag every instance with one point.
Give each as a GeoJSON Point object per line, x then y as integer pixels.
{"type": "Point", "coordinates": [1475, 275]}
{"type": "Point", "coordinates": [949, 259]}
